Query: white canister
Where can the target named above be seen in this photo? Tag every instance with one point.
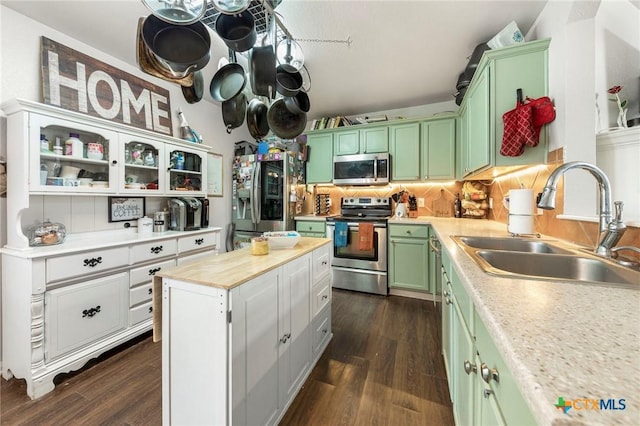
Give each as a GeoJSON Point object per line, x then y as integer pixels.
{"type": "Point", "coordinates": [401, 210]}
{"type": "Point", "coordinates": [145, 225]}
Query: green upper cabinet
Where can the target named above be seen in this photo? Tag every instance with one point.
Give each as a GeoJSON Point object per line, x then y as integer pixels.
{"type": "Point", "coordinates": [437, 151]}
{"type": "Point", "coordinates": [346, 142]}
{"type": "Point", "coordinates": [492, 92]}
{"type": "Point", "coordinates": [404, 149]}
{"type": "Point", "coordinates": [363, 141]}
{"type": "Point", "coordinates": [320, 160]}
{"type": "Point", "coordinates": [374, 140]}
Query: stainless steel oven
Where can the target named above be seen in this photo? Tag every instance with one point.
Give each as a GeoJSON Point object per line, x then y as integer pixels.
{"type": "Point", "coordinates": [353, 268]}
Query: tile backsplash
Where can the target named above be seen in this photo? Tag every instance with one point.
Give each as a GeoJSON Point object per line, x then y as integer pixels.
{"type": "Point", "coordinates": [548, 223]}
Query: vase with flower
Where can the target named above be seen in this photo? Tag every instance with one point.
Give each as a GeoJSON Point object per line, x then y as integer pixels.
{"type": "Point", "coordinates": [622, 106]}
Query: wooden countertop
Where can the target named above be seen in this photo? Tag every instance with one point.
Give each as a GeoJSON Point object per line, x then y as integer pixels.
{"type": "Point", "coordinates": [226, 271]}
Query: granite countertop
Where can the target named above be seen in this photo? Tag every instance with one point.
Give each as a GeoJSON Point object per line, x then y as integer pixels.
{"type": "Point", "coordinates": [319, 218]}
{"type": "Point", "coordinates": [559, 339]}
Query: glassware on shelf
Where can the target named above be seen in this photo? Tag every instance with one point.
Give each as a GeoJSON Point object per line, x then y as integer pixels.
{"type": "Point", "coordinates": [136, 154]}
{"type": "Point", "coordinates": [149, 159]}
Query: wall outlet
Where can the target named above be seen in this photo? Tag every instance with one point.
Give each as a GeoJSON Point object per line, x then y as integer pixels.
{"type": "Point", "coordinates": [490, 203]}
{"type": "Point", "coordinates": [420, 202]}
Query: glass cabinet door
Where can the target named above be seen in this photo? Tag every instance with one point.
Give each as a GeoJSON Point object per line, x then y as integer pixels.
{"type": "Point", "coordinates": [71, 157]}
{"type": "Point", "coordinates": [141, 160]}
{"type": "Point", "coordinates": [186, 170]}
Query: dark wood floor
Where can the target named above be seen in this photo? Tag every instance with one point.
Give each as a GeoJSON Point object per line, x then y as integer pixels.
{"type": "Point", "coordinates": [383, 367]}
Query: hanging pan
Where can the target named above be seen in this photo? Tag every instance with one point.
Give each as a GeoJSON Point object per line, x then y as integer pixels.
{"type": "Point", "coordinates": [237, 31]}
{"type": "Point", "coordinates": [262, 66]}
{"type": "Point", "coordinates": [193, 94]}
{"type": "Point", "coordinates": [233, 111]}
{"type": "Point", "coordinates": [228, 81]}
{"type": "Point", "coordinates": [283, 123]}
{"type": "Point", "coordinates": [257, 122]}
{"type": "Point", "coordinates": [178, 12]}
{"type": "Point", "coordinates": [181, 49]}
{"type": "Point", "coordinates": [298, 104]}
{"type": "Point", "coordinates": [231, 7]}
{"type": "Point", "coordinates": [288, 83]}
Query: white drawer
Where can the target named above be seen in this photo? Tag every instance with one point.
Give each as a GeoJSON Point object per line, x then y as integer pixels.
{"type": "Point", "coordinates": [198, 241]}
{"type": "Point", "coordinates": [321, 329]}
{"type": "Point", "coordinates": [321, 262]}
{"type": "Point", "coordinates": [80, 314]}
{"type": "Point", "coordinates": [321, 295]}
{"type": "Point", "coordinates": [192, 258]}
{"type": "Point", "coordinates": [140, 294]}
{"type": "Point", "coordinates": [140, 313]}
{"type": "Point", "coordinates": [59, 268]}
{"type": "Point", "coordinates": [144, 274]}
{"type": "Point", "coordinates": [153, 250]}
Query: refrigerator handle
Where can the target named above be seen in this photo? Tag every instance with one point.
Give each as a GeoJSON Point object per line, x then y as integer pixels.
{"type": "Point", "coordinates": [255, 194]}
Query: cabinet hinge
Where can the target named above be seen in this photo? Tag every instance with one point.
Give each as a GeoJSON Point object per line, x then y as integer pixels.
{"type": "Point", "coordinates": [229, 317]}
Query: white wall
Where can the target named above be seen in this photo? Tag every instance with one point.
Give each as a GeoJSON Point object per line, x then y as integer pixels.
{"type": "Point", "coordinates": [20, 78]}
{"type": "Point", "coordinates": [579, 75]}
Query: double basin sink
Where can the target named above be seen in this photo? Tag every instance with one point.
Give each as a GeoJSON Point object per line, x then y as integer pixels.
{"type": "Point", "coordinates": [524, 258]}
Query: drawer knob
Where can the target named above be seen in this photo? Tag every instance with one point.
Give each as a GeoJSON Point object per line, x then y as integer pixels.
{"type": "Point", "coordinates": [93, 262]}
{"type": "Point", "coordinates": [324, 262]}
{"type": "Point", "coordinates": [90, 312]}
{"type": "Point", "coordinates": [469, 368]}
{"type": "Point", "coordinates": [324, 331]}
{"type": "Point", "coordinates": [199, 241]}
{"type": "Point", "coordinates": [325, 297]}
{"type": "Point", "coordinates": [489, 374]}
{"type": "Point", "coordinates": [154, 270]}
{"type": "Point", "coordinates": [408, 231]}
{"type": "Point", "coordinates": [447, 300]}
{"type": "Point", "coordinates": [150, 309]}
{"type": "Point", "coordinates": [150, 291]}
{"type": "Point", "coordinates": [487, 393]}
{"type": "Point", "coordinates": [156, 250]}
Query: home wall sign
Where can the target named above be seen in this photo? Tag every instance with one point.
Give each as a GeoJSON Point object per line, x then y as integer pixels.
{"type": "Point", "coordinates": [124, 209]}
{"type": "Point", "coordinates": [77, 82]}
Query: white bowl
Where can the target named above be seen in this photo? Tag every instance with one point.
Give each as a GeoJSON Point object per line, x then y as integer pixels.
{"type": "Point", "coordinates": [282, 239]}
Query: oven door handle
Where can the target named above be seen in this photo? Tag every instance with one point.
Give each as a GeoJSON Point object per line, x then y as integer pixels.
{"type": "Point", "coordinates": [360, 271]}
{"type": "Point", "coordinates": [354, 225]}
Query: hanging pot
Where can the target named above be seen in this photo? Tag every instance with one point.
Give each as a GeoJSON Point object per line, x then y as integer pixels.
{"type": "Point", "coordinates": [262, 67]}
{"type": "Point", "coordinates": [177, 12]}
{"type": "Point", "coordinates": [233, 111]}
{"type": "Point", "coordinates": [288, 83]}
{"type": "Point", "coordinates": [257, 122]}
{"type": "Point", "coordinates": [298, 104]}
{"type": "Point", "coordinates": [193, 94]}
{"type": "Point", "coordinates": [283, 123]}
{"type": "Point", "coordinates": [181, 49]}
{"type": "Point", "coordinates": [228, 81]}
{"type": "Point", "coordinates": [237, 31]}
{"type": "Point", "coordinates": [231, 7]}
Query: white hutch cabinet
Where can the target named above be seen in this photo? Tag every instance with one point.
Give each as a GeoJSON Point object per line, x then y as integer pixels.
{"type": "Point", "coordinates": [67, 303]}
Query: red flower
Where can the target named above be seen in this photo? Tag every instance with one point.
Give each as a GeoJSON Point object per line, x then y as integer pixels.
{"type": "Point", "coordinates": [615, 89]}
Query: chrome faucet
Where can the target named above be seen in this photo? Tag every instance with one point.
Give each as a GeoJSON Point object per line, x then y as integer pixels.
{"type": "Point", "coordinates": [611, 229]}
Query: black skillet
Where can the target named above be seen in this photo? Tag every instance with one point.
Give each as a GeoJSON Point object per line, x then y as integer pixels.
{"type": "Point", "coordinates": [193, 94]}
{"type": "Point", "coordinates": [228, 81]}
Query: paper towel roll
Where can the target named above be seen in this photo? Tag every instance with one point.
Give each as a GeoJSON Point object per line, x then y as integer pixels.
{"type": "Point", "coordinates": [520, 224]}
{"type": "Point", "coordinates": [521, 201]}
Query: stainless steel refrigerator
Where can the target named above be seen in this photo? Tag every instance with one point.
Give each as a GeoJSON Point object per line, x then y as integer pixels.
{"type": "Point", "coordinates": [263, 194]}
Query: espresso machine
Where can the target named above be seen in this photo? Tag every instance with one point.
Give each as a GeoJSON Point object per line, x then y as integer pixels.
{"type": "Point", "coordinates": [185, 214]}
{"type": "Point", "coordinates": [204, 221]}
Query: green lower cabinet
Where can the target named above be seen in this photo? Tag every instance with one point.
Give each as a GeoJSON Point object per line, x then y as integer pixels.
{"type": "Point", "coordinates": [482, 389]}
{"type": "Point", "coordinates": [409, 254]}
{"type": "Point", "coordinates": [311, 228]}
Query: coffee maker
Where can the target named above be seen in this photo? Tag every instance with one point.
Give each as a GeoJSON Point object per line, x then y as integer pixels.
{"type": "Point", "coordinates": [204, 219]}
{"type": "Point", "coordinates": [185, 214]}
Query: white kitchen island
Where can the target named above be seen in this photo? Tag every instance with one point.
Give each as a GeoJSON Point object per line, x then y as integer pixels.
{"type": "Point", "coordinates": [241, 333]}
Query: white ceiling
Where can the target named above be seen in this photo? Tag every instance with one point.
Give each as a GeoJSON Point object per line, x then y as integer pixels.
{"type": "Point", "coordinates": [403, 53]}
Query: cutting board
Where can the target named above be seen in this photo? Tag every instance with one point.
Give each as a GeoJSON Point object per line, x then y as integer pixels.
{"type": "Point", "coordinates": [441, 206]}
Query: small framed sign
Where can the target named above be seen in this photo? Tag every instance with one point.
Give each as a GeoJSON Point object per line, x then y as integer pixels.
{"type": "Point", "coordinates": [124, 209]}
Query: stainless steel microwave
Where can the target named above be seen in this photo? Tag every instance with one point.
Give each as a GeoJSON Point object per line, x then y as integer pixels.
{"type": "Point", "coordinates": [361, 169]}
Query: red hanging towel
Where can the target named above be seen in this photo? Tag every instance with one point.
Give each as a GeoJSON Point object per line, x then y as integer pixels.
{"type": "Point", "coordinates": [518, 129]}
{"type": "Point", "coordinates": [365, 236]}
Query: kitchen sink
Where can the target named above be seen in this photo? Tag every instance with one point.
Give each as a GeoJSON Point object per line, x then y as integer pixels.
{"type": "Point", "coordinates": [539, 260]}
{"type": "Point", "coordinates": [510, 244]}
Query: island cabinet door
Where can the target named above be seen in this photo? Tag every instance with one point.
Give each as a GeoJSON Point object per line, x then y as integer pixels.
{"type": "Point", "coordinates": [194, 354]}
{"type": "Point", "coordinates": [295, 333]}
{"type": "Point", "coordinates": [254, 351]}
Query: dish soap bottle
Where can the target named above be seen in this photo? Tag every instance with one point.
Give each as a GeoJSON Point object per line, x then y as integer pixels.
{"type": "Point", "coordinates": [457, 206]}
{"type": "Point", "coordinates": [186, 132]}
